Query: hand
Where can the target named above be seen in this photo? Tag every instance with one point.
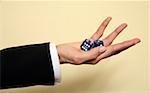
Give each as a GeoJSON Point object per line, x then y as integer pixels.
{"type": "Point", "coordinates": [71, 52]}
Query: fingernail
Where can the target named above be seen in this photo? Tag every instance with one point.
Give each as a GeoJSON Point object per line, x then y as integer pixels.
{"type": "Point", "coordinates": [109, 18]}
{"type": "Point", "coordinates": [125, 24]}
{"type": "Point", "coordinates": [137, 40]}
{"type": "Point", "coordinates": [102, 49]}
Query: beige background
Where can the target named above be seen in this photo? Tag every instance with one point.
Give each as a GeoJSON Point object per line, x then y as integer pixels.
{"type": "Point", "coordinates": [63, 21]}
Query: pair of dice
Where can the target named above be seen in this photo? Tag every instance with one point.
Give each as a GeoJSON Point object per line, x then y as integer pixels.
{"type": "Point", "coordinates": [88, 44]}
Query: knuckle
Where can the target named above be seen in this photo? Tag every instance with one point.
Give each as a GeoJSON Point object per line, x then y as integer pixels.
{"type": "Point", "coordinates": [104, 23]}
{"type": "Point", "coordinates": [108, 42]}
{"type": "Point", "coordinates": [95, 62]}
{"type": "Point", "coordinates": [116, 32]}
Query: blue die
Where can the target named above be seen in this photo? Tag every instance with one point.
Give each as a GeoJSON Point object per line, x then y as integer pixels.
{"type": "Point", "coordinates": [88, 44]}
{"type": "Point", "coordinates": [98, 43]}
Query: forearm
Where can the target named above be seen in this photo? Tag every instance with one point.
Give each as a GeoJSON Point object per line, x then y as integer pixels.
{"type": "Point", "coordinates": [25, 66]}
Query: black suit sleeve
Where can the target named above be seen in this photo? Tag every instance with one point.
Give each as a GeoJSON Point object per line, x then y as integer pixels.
{"type": "Point", "coordinates": [25, 66]}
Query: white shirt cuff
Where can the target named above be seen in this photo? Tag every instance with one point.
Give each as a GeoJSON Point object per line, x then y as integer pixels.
{"type": "Point", "coordinates": [55, 63]}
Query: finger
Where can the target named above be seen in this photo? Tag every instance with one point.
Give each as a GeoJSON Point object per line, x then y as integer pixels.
{"type": "Point", "coordinates": [109, 39]}
{"type": "Point", "coordinates": [117, 48]}
{"type": "Point", "coordinates": [101, 29]}
{"type": "Point", "coordinates": [93, 53]}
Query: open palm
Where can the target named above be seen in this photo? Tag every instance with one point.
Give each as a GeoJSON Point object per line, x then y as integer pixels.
{"type": "Point", "coordinates": [71, 52]}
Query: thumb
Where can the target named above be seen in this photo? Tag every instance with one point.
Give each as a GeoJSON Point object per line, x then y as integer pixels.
{"type": "Point", "coordinates": [95, 52]}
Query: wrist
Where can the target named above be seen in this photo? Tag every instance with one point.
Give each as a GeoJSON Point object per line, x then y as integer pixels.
{"type": "Point", "coordinates": [60, 55]}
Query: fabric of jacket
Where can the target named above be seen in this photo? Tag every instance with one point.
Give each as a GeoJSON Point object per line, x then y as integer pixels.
{"type": "Point", "coordinates": [25, 66]}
